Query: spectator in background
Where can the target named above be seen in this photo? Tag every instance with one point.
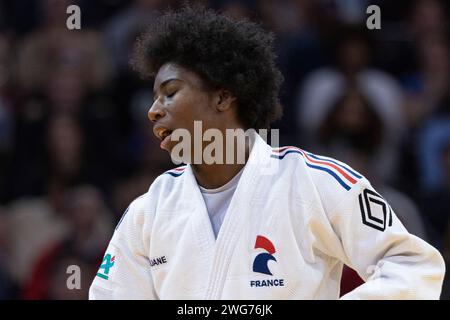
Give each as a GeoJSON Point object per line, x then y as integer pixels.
{"type": "Point", "coordinates": [65, 95]}
{"type": "Point", "coordinates": [122, 29]}
{"type": "Point", "coordinates": [300, 51]}
{"type": "Point", "coordinates": [324, 88]}
{"type": "Point", "coordinates": [33, 225]}
{"type": "Point", "coordinates": [426, 87]}
{"type": "Point", "coordinates": [428, 18]}
{"type": "Point", "coordinates": [424, 57]}
{"type": "Point", "coordinates": [83, 244]}
{"type": "Point", "coordinates": [425, 61]}
{"type": "Point", "coordinates": [60, 71]}
{"type": "Point", "coordinates": [353, 131]}
{"type": "Point", "coordinates": [406, 28]}
{"type": "Point", "coordinates": [52, 159]}
{"type": "Point", "coordinates": [433, 147]}
{"type": "Point", "coordinates": [65, 165]}
{"type": "Point", "coordinates": [55, 47]}
{"type": "Point", "coordinates": [62, 165]}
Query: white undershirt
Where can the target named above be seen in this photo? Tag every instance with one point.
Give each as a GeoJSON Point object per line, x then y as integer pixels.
{"type": "Point", "coordinates": [218, 200]}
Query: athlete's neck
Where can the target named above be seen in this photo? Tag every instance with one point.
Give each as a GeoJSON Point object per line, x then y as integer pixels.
{"type": "Point", "coordinates": [212, 176]}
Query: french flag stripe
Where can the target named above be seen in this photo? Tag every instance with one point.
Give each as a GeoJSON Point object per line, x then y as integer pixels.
{"type": "Point", "coordinates": [328, 164]}
{"type": "Point", "coordinates": [356, 175]}
{"type": "Point", "coordinates": [174, 174]}
{"type": "Point", "coordinates": [281, 149]}
{"type": "Point", "coordinates": [341, 182]}
{"type": "Point", "coordinates": [323, 161]}
{"type": "Point", "coordinates": [278, 156]}
{"type": "Point", "coordinates": [336, 170]}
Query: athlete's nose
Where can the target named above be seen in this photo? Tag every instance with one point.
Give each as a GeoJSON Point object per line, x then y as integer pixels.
{"type": "Point", "coordinates": [156, 112]}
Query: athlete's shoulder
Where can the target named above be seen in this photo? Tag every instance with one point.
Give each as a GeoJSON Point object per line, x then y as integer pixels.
{"type": "Point", "coordinates": [171, 176]}
{"type": "Point", "coordinates": [326, 172]}
{"type": "Point", "coordinates": [167, 179]}
{"type": "Point", "coordinates": [331, 180]}
{"type": "Point", "coordinates": [175, 172]}
{"type": "Point", "coordinates": [136, 211]}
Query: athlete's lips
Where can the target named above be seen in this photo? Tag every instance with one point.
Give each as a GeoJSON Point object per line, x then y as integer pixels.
{"type": "Point", "coordinates": [161, 132]}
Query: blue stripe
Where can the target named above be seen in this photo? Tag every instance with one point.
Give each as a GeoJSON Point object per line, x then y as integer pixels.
{"type": "Point", "coordinates": [340, 165]}
{"type": "Point", "coordinates": [281, 157]}
{"type": "Point", "coordinates": [173, 174]}
{"type": "Point", "coordinates": [342, 183]}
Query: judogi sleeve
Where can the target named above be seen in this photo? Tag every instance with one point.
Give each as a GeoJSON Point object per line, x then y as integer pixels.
{"type": "Point", "coordinates": [125, 269]}
{"type": "Point", "coordinates": [370, 238]}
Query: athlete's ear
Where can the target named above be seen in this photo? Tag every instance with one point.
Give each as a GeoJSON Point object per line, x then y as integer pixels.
{"type": "Point", "coordinates": [223, 100]}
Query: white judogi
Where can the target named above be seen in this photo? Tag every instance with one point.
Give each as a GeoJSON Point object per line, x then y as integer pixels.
{"type": "Point", "coordinates": [293, 221]}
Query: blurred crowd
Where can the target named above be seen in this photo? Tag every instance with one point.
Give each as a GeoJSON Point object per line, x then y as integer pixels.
{"type": "Point", "coordinates": [76, 146]}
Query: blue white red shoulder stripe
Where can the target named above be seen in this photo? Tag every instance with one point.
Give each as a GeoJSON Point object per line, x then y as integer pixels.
{"type": "Point", "coordinates": [176, 172]}
{"type": "Point", "coordinates": [345, 176]}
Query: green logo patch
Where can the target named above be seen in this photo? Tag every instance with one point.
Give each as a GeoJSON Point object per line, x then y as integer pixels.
{"type": "Point", "coordinates": [107, 263]}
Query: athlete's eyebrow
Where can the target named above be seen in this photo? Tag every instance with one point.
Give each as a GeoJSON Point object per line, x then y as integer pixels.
{"type": "Point", "coordinates": [164, 83]}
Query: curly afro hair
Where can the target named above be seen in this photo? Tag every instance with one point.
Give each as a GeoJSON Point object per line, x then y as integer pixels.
{"type": "Point", "coordinates": [233, 55]}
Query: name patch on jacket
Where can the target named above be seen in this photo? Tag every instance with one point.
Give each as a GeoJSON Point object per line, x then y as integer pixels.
{"type": "Point", "coordinates": [158, 261]}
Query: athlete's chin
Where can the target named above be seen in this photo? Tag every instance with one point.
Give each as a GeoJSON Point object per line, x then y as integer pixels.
{"type": "Point", "coordinates": [166, 143]}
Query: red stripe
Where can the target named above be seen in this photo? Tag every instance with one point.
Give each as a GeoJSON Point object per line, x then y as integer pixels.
{"type": "Point", "coordinates": [349, 178]}
{"type": "Point", "coordinates": [178, 169]}
{"type": "Point", "coordinates": [279, 150]}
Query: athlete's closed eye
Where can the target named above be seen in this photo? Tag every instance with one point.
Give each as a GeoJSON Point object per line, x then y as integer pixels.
{"type": "Point", "coordinates": [170, 95]}
{"type": "Point", "coordinates": [166, 96]}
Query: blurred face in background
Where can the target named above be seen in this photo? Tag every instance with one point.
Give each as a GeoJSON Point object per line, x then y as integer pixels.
{"type": "Point", "coordinates": [66, 91]}
{"type": "Point", "coordinates": [435, 55]}
{"type": "Point", "coordinates": [65, 145]}
{"type": "Point", "coordinates": [352, 122]}
{"type": "Point", "coordinates": [353, 55]}
{"type": "Point", "coordinates": [353, 113]}
{"type": "Point", "coordinates": [85, 205]}
{"type": "Point", "coordinates": [428, 18]}
{"type": "Point", "coordinates": [53, 12]}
